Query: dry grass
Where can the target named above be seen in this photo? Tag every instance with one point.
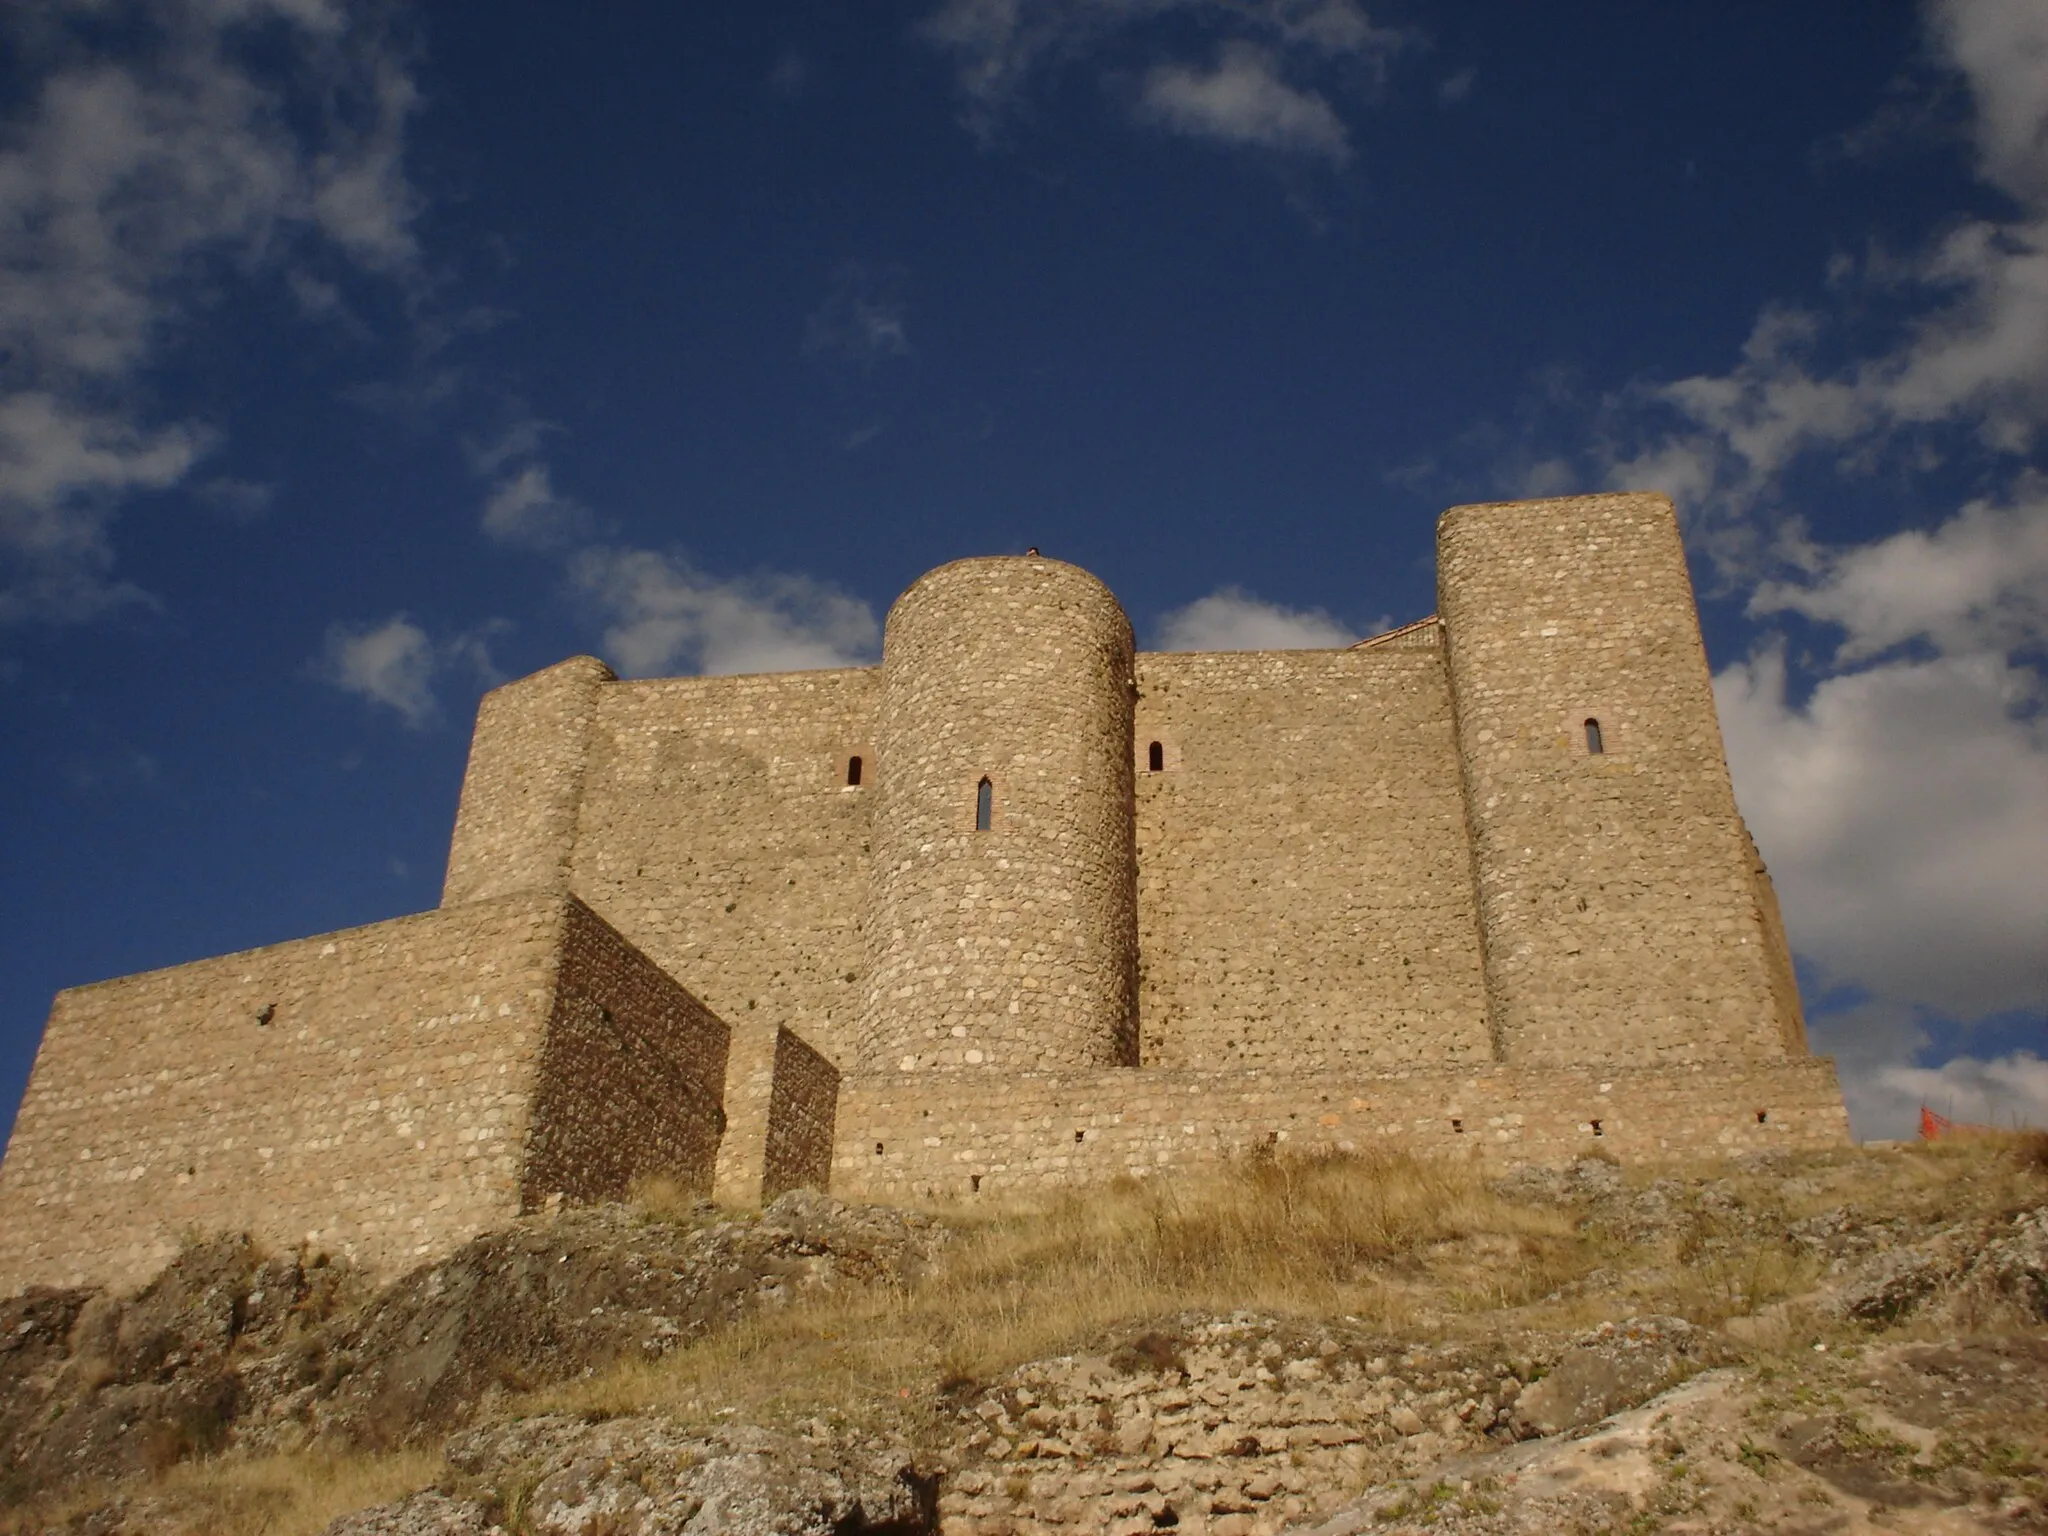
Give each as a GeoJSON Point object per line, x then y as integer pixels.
{"type": "Point", "coordinates": [294, 1495]}
{"type": "Point", "coordinates": [1395, 1243]}
{"type": "Point", "coordinates": [667, 1200]}
{"type": "Point", "coordinates": [1379, 1239]}
{"type": "Point", "coordinates": [290, 1495]}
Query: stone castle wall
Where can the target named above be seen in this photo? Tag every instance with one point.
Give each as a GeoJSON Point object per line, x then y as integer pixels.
{"type": "Point", "coordinates": [371, 1093]}
{"type": "Point", "coordinates": [781, 1100]}
{"type": "Point", "coordinates": [719, 834]}
{"type": "Point", "coordinates": [1305, 883]}
{"type": "Point", "coordinates": [521, 794]}
{"type": "Point", "coordinates": [631, 1075]}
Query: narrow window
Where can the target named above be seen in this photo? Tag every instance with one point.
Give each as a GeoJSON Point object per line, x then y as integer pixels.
{"type": "Point", "coordinates": [1593, 744]}
{"type": "Point", "coordinates": [1155, 757]}
{"type": "Point", "coordinates": [984, 802]}
{"type": "Point", "coordinates": [853, 773]}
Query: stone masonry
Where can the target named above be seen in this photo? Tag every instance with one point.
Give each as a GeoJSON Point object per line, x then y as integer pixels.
{"type": "Point", "coordinates": [1016, 908]}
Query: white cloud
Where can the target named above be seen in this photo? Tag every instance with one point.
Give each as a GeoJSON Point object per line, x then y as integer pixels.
{"type": "Point", "coordinates": [2001, 47]}
{"type": "Point", "coordinates": [2009, 1091]}
{"type": "Point", "coordinates": [1973, 355]}
{"type": "Point", "coordinates": [1903, 809]}
{"type": "Point", "coordinates": [524, 510]}
{"type": "Point", "coordinates": [1979, 582]}
{"type": "Point", "coordinates": [396, 663]}
{"type": "Point", "coordinates": [864, 318]}
{"type": "Point", "coordinates": [1332, 27]}
{"type": "Point", "coordinates": [1258, 93]}
{"type": "Point", "coordinates": [668, 617]}
{"type": "Point", "coordinates": [240, 501]}
{"type": "Point", "coordinates": [390, 664]}
{"type": "Point", "coordinates": [1243, 100]}
{"type": "Point", "coordinates": [127, 180]}
{"type": "Point", "coordinates": [1874, 1044]}
{"type": "Point", "coordinates": [61, 462]}
{"type": "Point", "coordinates": [1233, 620]}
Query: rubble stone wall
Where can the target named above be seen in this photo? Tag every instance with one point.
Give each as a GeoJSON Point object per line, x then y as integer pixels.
{"type": "Point", "coordinates": [382, 1093]}
{"type": "Point", "coordinates": [749, 1084]}
{"type": "Point", "coordinates": [516, 823]}
{"type": "Point", "coordinates": [781, 1097]}
{"type": "Point", "coordinates": [802, 1114]}
{"type": "Point", "coordinates": [1022, 1136]}
{"type": "Point", "coordinates": [1305, 899]}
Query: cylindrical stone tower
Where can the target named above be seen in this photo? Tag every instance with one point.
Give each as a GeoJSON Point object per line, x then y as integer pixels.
{"type": "Point", "coordinates": [1002, 933]}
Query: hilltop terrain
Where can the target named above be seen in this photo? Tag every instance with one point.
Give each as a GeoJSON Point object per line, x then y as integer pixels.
{"type": "Point", "coordinates": [1830, 1342]}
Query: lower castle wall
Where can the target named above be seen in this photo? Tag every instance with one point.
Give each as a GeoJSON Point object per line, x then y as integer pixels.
{"type": "Point", "coordinates": [802, 1115]}
{"type": "Point", "coordinates": [383, 1093]}
{"type": "Point", "coordinates": [900, 1140]}
{"type": "Point", "coordinates": [379, 1110]}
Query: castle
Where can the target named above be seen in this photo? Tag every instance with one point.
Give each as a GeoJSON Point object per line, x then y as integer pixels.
{"type": "Point", "coordinates": [1015, 908]}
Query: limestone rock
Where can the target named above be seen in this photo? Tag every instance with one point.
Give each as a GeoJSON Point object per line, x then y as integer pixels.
{"type": "Point", "coordinates": [423, 1514]}
{"type": "Point", "coordinates": [1612, 1368]}
{"type": "Point", "coordinates": [646, 1476]}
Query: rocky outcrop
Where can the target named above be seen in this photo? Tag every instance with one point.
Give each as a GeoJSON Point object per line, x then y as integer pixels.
{"type": "Point", "coordinates": [1803, 1413]}
{"type": "Point", "coordinates": [558, 1475]}
{"type": "Point", "coordinates": [1615, 1366]}
{"type": "Point", "coordinates": [228, 1347]}
{"type": "Point", "coordinates": [1964, 1272]}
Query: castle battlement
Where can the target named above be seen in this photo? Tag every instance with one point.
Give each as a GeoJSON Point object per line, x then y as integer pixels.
{"type": "Point", "coordinates": [1018, 907]}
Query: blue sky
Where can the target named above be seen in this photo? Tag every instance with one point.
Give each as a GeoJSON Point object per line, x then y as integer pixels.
{"type": "Point", "coordinates": [355, 357]}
